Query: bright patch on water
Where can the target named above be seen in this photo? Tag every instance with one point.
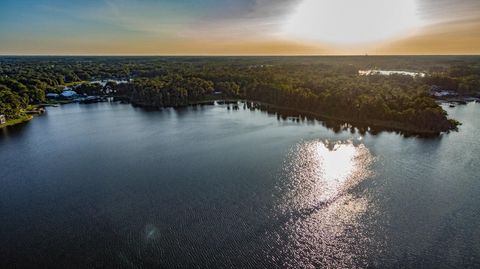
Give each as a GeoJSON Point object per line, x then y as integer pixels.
{"type": "Point", "coordinates": [322, 170]}
{"type": "Point", "coordinates": [326, 223]}
{"type": "Point", "coordinates": [151, 232]}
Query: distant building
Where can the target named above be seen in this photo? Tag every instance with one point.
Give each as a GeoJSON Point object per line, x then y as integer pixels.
{"type": "Point", "coordinates": [439, 91]}
{"type": "Point", "coordinates": [51, 95]}
{"type": "Point", "coordinates": [3, 119]}
{"type": "Point", "coordinates": [69, 94]}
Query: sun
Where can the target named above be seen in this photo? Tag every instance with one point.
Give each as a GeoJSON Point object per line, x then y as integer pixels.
{"type": "Point", "coordinates": [346, 22]}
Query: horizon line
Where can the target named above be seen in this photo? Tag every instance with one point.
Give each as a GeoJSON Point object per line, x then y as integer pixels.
{"type": "Point", "coordinates": [230, 55]}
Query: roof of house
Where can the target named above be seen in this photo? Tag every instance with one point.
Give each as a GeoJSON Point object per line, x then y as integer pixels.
{"type": "Point", "coordinates": [69, 93]}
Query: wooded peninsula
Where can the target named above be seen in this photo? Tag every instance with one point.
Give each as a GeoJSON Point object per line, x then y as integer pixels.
{"type": "Point", "coordinates": [330, 87]}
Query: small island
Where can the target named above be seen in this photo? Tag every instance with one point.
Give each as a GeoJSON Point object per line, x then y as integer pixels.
{"type": "Point", "coordinates": [333, 88]}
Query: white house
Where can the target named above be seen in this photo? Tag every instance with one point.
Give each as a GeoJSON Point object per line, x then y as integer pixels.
{"type": "Point", "coordinates": [3, 119]}
{"type": "Point", "coordinates": [439, 91]}
{"type": "Point", "coordinates": [69, 94]}
{"type": "Point", "coordinates": [52, 95]}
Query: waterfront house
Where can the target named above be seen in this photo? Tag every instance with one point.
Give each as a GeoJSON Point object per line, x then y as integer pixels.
{"type": "Point", "coordinates": [3, 119]}
{"type": "Point", "coordinates": [439, 91]}
{"type": "Point", "coordinates": [52, 95]}
{"type": "Point", "coordinates": [69, 94]}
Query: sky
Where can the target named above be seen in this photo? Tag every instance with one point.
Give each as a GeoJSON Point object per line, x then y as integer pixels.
{"type": "Point", "coordinates": [239, 27]}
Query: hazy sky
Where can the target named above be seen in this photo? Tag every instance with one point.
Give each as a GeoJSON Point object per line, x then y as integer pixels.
{"type": "Point", "coordinates": [227, 27]}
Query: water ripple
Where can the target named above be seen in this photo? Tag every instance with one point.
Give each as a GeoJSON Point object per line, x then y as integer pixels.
{"type": "Point", "coordinates": [320, 215]}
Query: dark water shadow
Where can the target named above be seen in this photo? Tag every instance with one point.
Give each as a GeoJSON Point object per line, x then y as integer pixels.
{"type": "Point", "coordinates": [14, 130]}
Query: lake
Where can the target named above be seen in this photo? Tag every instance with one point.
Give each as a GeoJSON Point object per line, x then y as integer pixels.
{"type": "Point", "coordinates": [390, 72]}
{"type": "Point", "coordinates": [110, 185]}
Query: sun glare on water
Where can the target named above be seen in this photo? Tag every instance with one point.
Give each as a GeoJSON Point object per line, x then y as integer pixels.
{"type": "Point", "coordinates": [320, 171]}
{"type": "Point", "coordinates": [325, 225]}
{"type": "Point", "coordinates": [346, 22]}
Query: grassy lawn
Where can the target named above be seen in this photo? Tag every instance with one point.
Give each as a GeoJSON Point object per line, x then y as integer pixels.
{"type": "Point", "coordinates": [16, 121]}
{"type": "Point", "coordinates": [76, 83]}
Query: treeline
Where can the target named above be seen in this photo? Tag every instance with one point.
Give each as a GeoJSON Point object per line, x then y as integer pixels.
{"type": "Point", "coordinates": [462, 78]}
{"type": "Point", "coordinates": [16, 96]}
{"type": "Point", "coordinates": [328, 86]}
{"type": "Point", "coordinates": [396, 101]}
{"type": "Point", "coordinates": [173, 90]}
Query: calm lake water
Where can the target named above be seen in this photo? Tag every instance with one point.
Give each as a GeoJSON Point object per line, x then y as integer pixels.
{"type": "Point", "coordinates": [109, 185]}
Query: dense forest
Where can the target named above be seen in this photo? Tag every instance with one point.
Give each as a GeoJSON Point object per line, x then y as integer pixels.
{"type": "Point", "coordinates": [327, 86]}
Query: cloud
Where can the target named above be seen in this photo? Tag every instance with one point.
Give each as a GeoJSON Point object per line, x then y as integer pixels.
{"type": "Point", "coordinates": [252, 19]}
{"type": "Point", "coordinates": [459, 37]}
{"type": "Point", "coordinates": [448, 10]}
{"type": "Point", "coordinates": [210, 27]}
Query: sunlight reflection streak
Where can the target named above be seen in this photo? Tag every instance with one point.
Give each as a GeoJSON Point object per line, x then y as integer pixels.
{"type": "Point", "coordinates": [325, 226]}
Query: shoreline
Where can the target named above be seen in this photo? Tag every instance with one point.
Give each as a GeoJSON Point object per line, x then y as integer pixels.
{"type": "Point", "coordinates": [403, 128]}
{"type": "Point", "coordinates": [459, 100]}
{"type": "Point", "coordinates": [382, 125]}
{"type": "Point", "coordinates": [29, 114]}
{"type": "Point", "coordinates": [370, 125]}
{"type": "Point", "coordinates": [17, 121]}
